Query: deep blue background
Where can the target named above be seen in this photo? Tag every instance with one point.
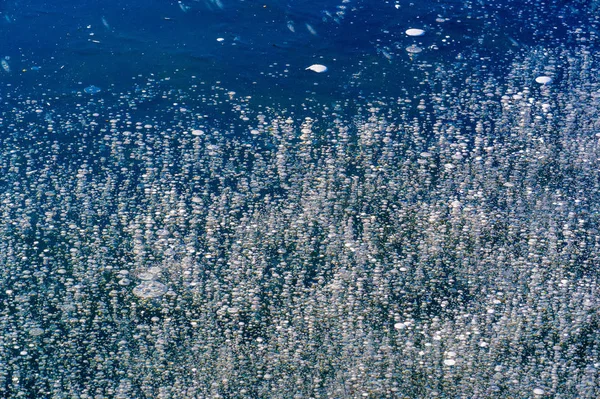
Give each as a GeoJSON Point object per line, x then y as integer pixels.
{"type": "Point", "coordinates": [65, 46]}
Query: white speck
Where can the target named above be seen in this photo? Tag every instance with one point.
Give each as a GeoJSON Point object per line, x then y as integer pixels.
{"type": "Point", "coordinates": [220, 39]}
{"type": "Point", "coordinates": [449, 362]}
{"type": "Point", "coordinates": [399, 326]}
{"type": "Point", "coordinates": [538, 391]}
{"type": "Point", "coordinates": [197, 132]}
{"type": "Point", "coordinates": [543, 79]}
{"type": "Point", "coordinates": [415, 32]}
{"type": "Point", "coordinates": [318, 68]}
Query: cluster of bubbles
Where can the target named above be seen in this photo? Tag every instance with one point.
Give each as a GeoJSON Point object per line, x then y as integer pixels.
{"type": "Point", "coordinates": [166, 243]}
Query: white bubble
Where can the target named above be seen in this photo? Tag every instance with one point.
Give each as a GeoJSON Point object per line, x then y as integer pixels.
{"type": "Point", "coordinates": [449, 362]}
{"type": "Point", "coordinates": [415, 32]}
{"type": "Point", "coordinates": [318, 68]}
{"type": "Point", "coordinates": [543, 79]}
{"type": "Point", "coordinates": [413, 49]}
{"type": "Point", "coordinates": [5, 65]}
{"type": "Point", "coordinates": [197, 132]}
{"type": "Point", "coordinates": [36, 331]}
{"type": "Point", "coordinates": [538, 391]}
{"type": "Point", "coordinates": [399, 326]}
{"type": "Point", "coordinates": [150, 289]}
{"type": "Point", "coordinates": [146, 276]}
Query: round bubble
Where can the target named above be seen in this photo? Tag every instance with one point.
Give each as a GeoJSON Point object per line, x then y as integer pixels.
{"type": "Point", "coordinates": [413, 49]}
{"type": "Point", "coordinates": [150, 289]}
{"type": "Point", "coordinates": [543, 80]}
{"type": "Point", "coordinates": [415, 32]}
{"type": "Point", "coordinates": [146, 276]}
{"type": "Point", "coordinates": [92, 89]}
{"type": "Point", "coordinates": [124, 281]}
{"type": "Point", "coordinates": [36, 331]}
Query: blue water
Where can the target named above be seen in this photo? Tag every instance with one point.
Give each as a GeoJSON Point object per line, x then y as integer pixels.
{"type": "Point", "coordinates": [186, 211]}
{"type": "Point", "coordinates": [64, 46]}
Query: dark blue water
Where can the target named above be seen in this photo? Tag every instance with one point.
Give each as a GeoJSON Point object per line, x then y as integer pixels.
{"type": "Point", "coordinates": [261, 49]}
